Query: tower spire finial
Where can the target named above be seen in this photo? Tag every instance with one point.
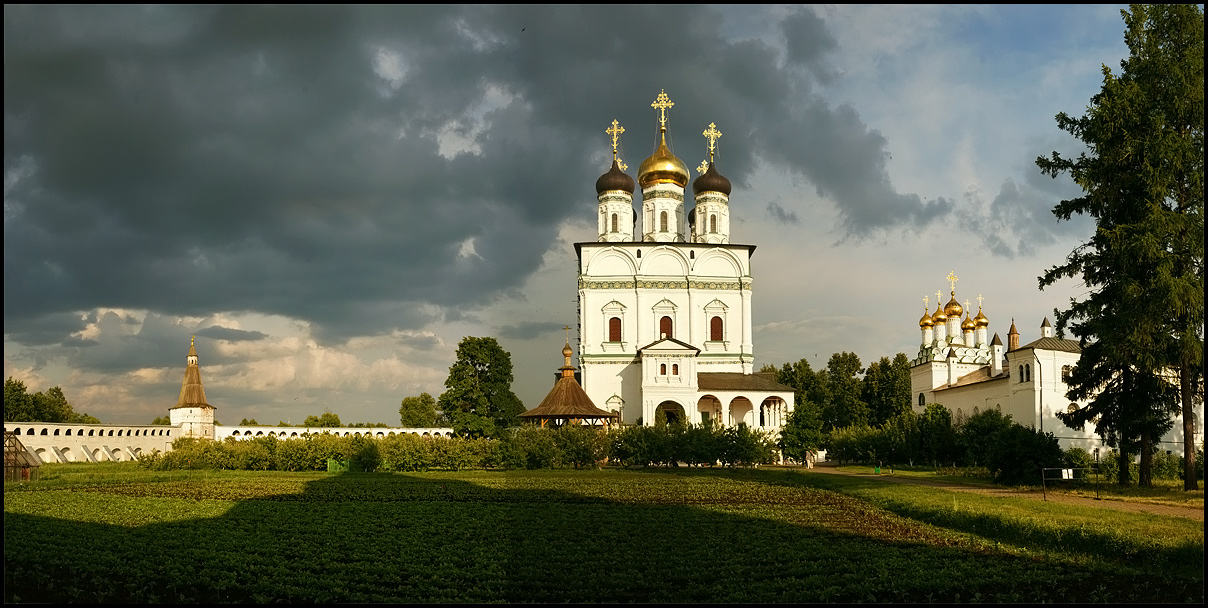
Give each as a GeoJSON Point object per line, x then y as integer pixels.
{"type": "Point", "coordinates": [712, 134]}
{"type": "Point", "coordinates": [662, 103]}
{"type": "Point", "coordinates": [615, 131]}
{"type": "Point", "coordinates": [952, 281]}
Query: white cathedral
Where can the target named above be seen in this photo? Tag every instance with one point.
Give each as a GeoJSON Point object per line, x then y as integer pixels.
{"type": "Point", "coordinates": [665, 304]}
{"type": "Point", "coordinates": [958, 367]}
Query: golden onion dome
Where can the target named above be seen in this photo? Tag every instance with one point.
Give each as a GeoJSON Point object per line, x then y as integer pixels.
{"type": "Point", "coordinates": [939, 318]}
{"type": "Point", "coordinates": [926, 321]}
{"type": "Point", "coordinates": [953, 308]}
{"type": "Point", "coordinates": [663, 166]}
{"type": "Point", "coordinates": [980, 320]}
{"type": "Point", "coordinates": [968, 324]}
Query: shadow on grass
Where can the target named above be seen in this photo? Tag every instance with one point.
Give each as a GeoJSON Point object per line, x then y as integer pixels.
{"type": "Point", "coordinates": [765, 537]}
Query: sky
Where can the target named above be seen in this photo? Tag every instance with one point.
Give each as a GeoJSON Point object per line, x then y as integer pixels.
{"type": "Point", "coordinates": [331, 198]}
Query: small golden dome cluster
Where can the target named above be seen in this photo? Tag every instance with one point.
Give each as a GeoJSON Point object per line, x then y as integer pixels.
{"type": "Point", "coordinates": [954, 309]}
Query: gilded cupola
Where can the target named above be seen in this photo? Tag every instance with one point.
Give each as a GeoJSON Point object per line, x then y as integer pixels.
{"type": "Point", "coordinates": [662, 166]}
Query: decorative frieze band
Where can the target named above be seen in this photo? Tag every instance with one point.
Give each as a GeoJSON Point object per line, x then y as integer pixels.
{"type": "Point", "coordinates": [693, 284]}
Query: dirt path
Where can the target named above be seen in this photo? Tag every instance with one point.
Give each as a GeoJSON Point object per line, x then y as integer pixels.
{"type": "Point", "coordinates": [1135, 507]}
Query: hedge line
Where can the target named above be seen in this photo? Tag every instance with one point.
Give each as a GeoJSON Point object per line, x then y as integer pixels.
{"type": "Point", "coordinates": [522, 448]}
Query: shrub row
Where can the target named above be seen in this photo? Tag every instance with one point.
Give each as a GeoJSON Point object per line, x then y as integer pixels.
{"type": "Point", "coordinates": [1013, 454]}
{"type": "Point", "coordinates": [522, 448]}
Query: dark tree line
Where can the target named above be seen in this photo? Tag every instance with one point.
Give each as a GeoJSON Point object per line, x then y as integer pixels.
{"type": "Point", "coordinates": [48, 406]}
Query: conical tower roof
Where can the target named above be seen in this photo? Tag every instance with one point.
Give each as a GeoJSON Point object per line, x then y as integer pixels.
{"type": "Point", "coordinates": [192, 394]}
{"type": "Point", "coordinates": [567, 400]}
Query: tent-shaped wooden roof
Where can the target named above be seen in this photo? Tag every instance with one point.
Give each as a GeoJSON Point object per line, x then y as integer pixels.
{"type": "Point", "coordinates": [567, 400]}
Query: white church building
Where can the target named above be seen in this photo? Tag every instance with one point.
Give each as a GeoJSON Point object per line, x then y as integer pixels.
{"type": "Point", "coordinates": [959, 368]}
{"type": "Point", "coordinates": [665, 303]}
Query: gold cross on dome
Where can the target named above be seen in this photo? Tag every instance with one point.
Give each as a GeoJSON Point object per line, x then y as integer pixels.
{"type": "Point", "coordinates": [966, 305]}
{"type": "Point", "coordinates": [952, 280]}
{"type": "Point", "coordinates": [926, 301]}
{"type": "Point", "coordinates": [615, 131]}
{"type": "Point", "coordinates": [979, 302]}
{"type": "Point", "coordinates": [712, 134]}
{"type": "Point", "coordinates": [938, 294]}
{"type": "Point", "coordinates": [661, 103]}
{"type": "Point", "coordinates": [192, 340]}
{"type": "Point", "coordinates": [567, 330]}
{"type": "Point", "coordinates": [704, 166]}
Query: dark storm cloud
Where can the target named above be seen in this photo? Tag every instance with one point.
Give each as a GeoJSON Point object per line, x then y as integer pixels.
{"type": "Point", "coordinates": [229, 334]}
{"type": "Point", "coordinates": [303, 161]}
{"type": "Point", "coordinates": [782, 216]}
{"type": "Point", "coordinates": [528, 330]}
{"type": "Point", "coordinates": [1020, 217]}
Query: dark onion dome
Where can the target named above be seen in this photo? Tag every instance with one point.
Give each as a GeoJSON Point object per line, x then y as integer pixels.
{"type": "Point", "coordinates": [711, 181]}
{"type": "Point", "coordinates": [615, 179]}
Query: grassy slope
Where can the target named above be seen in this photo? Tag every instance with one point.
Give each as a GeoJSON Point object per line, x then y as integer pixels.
{"type": "Point", "coordinates": [90, 533]}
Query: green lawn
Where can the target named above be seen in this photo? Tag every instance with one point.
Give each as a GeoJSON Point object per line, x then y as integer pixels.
{"type": "Point", "coordinates": [116, 533]}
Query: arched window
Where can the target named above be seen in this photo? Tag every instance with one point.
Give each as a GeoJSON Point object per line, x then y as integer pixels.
{"type": "Point", "coordinates": [663, 221]}
{"type": "Point", "coordinates": [663, 369]}
{"type": "Point", "coordinates": [1065, 373]}
{"type": "Point", "coordinates": [922, 400]}
{"type": "Point", "coordinates": [614, 222]}
{"type": "Point", "coordinates": [1021, 379]}
{"type": "Point", "coordinates": [665, 327]}
{"type": "Point", "coordinates": [1027, 370]}
{"type": "Point", "coordinates": [715, 330]}
{"type": "Point", "coordinates": [674, 369]}
{"type": "Point", "coordinates": [614, 329]}
{"type": "Point", "coordinates": [712, 223]}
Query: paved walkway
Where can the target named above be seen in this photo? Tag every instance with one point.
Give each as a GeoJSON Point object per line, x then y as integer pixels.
{"type": "Point", "coordinates": [1117, 505]}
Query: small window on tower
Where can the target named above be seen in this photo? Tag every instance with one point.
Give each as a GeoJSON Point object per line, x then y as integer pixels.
{"type": "Point", "coordinates": [614, 222]}
{"type": "Point", "coordinates": [614, 329]}
{"type": "Point", "coordinates": [663, 221]}
{"type": "Point", "coordinates": [713, 224]}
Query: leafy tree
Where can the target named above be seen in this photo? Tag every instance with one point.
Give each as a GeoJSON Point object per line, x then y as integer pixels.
{"type": "Point", "coordinates": [844, 407]}
{"type": "Point", "coordinates": [936, 437]}
{"type": "Point", "coordinates": [164, 420]}
{"type": "Point", "coordinates": [418, 412]}
{"type": "Point", "coordinates": [18, 404]}
{"type": "Point", "coordinates": [978, 433]}
{"type": "Point", "coordinates": [1143, 184]}
{"type": "Point", "coordinates": [886, 388]}
{"type": "Point", "coordinates": [478, 399]}
{"type": "Point", "coordinates": [50, 406]}
{"type": "Point", "coordinates": [248, 422]}
{"type": "Point", "coordinates": [327, 420]}
{"type": "Point", "coordinates": [802, 432]}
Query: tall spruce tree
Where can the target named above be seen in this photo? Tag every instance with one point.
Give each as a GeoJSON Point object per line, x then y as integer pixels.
{"type": "Point", "coordinates": [1141, 323]}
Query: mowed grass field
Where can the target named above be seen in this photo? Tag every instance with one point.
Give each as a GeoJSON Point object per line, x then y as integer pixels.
{"type": "Point", "coordinates": [108, 533]}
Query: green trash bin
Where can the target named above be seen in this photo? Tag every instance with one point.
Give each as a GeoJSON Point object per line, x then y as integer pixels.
{"type": "Point", "coordinates": [877, 470]}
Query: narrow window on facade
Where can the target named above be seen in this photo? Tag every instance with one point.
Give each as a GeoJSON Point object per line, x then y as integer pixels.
{"type": "Point", "coordinates": [922, 400]}
{"type": "Point", "coordinates": [665, 327]}
{"type": "Point", "coordinates": [715, 329]}
{"type": "Point", "coordinates": [674, 369]}
{"type": "Point", "coordinates": [614, 222]}
{"type": "Point", "coordinates": [1021, 373]}
{"type": "Point", "coordinates": [663, 369]}
{"type": "Point", "coordinates": [713, 224]}
{"type": "Point", "coordinates": [663, 221]}
{"type": "Point", "coordinates": [614, 329]}
{"type": "Point", "coordinates": [1027, 371]}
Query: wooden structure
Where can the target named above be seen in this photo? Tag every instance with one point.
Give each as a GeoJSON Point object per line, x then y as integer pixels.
{"type": "Point", "coordinates": [568, 403]}
{"type": "Point", "coordinates": [19, 464]}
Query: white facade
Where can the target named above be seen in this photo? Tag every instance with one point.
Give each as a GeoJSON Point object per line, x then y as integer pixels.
{"type": "Point", "coordinates": [1025, 382]}
{"type": "Point", "coordinates": [665, 322]}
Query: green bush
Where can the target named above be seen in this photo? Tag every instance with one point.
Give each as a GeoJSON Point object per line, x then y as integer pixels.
{"type": "Point", "coordinates": [1078, 458]}
{"type": "Point", "coordinates": [581, 446]}
{"type": "Point", "coordinates": [1167, 466]}
{"type": "Point", "coordinates": [406, 453]}
{"type": "Point", "coordinates": [1109, 466]}
{"type": "Point", "coordinates": [1019, 453]}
